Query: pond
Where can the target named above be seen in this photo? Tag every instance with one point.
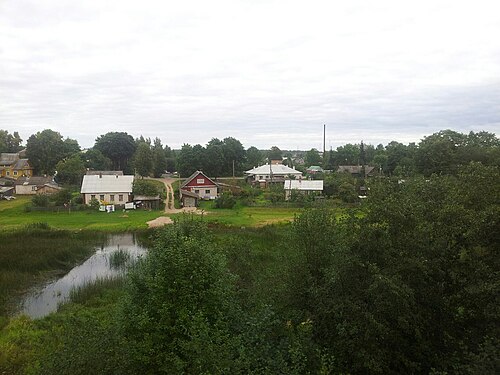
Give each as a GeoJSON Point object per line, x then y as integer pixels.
{"type": "Point", "coordinates": [109, 260]}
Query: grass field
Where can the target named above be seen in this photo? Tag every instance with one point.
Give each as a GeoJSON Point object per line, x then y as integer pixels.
{"type": "Point", "coordinates": [13, 217]}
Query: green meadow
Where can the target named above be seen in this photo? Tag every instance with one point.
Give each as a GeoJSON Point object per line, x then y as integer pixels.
{"type": "Point", "coordinates": [13, 216]}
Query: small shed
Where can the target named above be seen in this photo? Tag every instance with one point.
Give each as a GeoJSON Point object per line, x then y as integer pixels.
{"type": "Point", "coordinates": [6, 191]}
{"type": "Point", "coordinates": [189, 199]}
{"type": "Point", "coordinates": [147, 202]}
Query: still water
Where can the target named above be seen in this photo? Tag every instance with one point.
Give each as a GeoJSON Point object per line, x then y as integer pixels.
{"type": "Point", "coordinates": [43, 301]}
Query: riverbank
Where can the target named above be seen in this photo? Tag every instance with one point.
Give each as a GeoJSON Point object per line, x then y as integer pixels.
{"type": "Point", "coordinates": [39, 253]}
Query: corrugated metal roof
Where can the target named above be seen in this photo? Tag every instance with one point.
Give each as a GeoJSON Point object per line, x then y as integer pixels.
{"type": "Point", "coordinates": [277, 169]}
{"type": "Point", "coordinates": [316, 185]}
{"type": "Point", "coordinates": [106, 184]}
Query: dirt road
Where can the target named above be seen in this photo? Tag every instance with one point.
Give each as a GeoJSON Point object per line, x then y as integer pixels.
{"type": "Point", "coordinates": [169, 204]}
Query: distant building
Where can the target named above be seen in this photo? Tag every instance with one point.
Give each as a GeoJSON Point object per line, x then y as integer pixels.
{"type": "Point", "coordinates": [302, 186]}
{"type": "Point", "coordinates": [271, 173]}
{"type": "Point", "coordinates": [36, 185]}
{"type": "Point", "coordinates": [110, 189]}
{"type": "Point", "coordinates": [107, 173]}
{"type": "Point", "coordinates": [314, 169]}
{"type": "Point", "coordinates": [12, 165]}
{"type": "Point", "coordinates": [201, 185]}
{"type": "Point", "coordinates": [357, 170]}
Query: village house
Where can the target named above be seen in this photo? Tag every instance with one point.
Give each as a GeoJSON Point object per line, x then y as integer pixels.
{"type": "Point", "coordinates": [12, 165]}
{"type": "Point", "coordinates": [36, 185]}
{"type": "Point", "coordinates": [271, 173]}
{"type": "Point", "coordinates": [107, 189]}
{"type": "Point", "coordinates": [357, 170]}
{"type": "Point", "coordinates": [302, 186]}
{"type": "Point", "coordinates": [201, 185]}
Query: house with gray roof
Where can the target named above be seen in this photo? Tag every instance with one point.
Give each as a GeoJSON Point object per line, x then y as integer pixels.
{"type": "Point", "coordinates": [13, 166]}
{"type": "Point", "coordinates": [107, 189]}
{"type": "Point", "coordinates": [36, 185]}
{"type": "Point", "coordinates": [302, 186]}
{"type": "Point", "coordinates": [271, 173]}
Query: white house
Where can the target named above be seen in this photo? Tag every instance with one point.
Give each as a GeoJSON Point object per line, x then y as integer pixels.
{"type": "Point", "coordinates": [110, 189]}
{"type": "Point", "coordinates": [303, 186]}
{"type": "Point", "coordinates": [271, 173]}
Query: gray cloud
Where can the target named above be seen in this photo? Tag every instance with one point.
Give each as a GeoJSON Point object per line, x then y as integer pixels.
{"type": "Point", "coordinates": [267, 73]}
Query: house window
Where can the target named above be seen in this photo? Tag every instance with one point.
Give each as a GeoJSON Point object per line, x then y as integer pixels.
{"type": "Point", "coordinates": [92, 196]}
{"type": "Point", "coordinates": [8, 173]}
{"type": "Point", "coordinates": [207, 191]}
{"type": "Point", "coordinates": [200, 180]}
{"type": "Point", "coordinates": [197, 191]}
{"type": "Point", "coordinates": [112, 197]}
{"type": "Point", "coordinates": [33, 188]}
{"type": "Point", "coordinates": [15, 173]}
{"type": "Point", "coordinates": [120, 197]}
{"type": "Point", "coordinates": [101, 197]}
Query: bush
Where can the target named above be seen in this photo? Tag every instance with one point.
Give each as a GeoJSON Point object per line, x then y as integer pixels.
{"type": "Point", "coordinates": [61, 198]}
{"type": "Point", "coordinates": [226, 200]}
{"type": "Point", "coordinates": [40, 200]}
{"type": "Point", "coordinates": [145, 187]}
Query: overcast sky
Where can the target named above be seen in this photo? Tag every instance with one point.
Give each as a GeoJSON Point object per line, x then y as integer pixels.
{"type": "Point", "coordinates": [265, 72]}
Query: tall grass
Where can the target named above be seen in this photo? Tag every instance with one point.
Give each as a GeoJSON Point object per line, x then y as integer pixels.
{"type": "Point", "coordinates": [35, 253]}
{"type": "Point", "coordinates": [95, 289]}
{"type": "Point", "coordinates": [118, 259]}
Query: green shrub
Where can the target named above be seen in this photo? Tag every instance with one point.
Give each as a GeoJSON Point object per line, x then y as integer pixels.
{"type": "Point", "coordinates": [226, 200]}
{"type": "Point", "coordinates": [40, 200]}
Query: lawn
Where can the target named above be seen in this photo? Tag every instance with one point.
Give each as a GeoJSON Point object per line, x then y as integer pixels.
{"type": "Point", "coordinates": [244, 216]}
{"type": "Point", "coordinates": [13, 216]}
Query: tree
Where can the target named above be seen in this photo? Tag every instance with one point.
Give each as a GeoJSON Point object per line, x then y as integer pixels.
{"type": "Point", "coordinates": [95, 160]}
{"type": "Point", "coordinates": [46, 148]}
{"type": "Point", "coordinates": [159, 158]}
{"type": "Point", "coordinates": [70, 171]}
{"type": "Point", "coordinates": [347, 155]}
{"type": "Point", "coordinates": [143, 160]}
{"type": "Point", "coordinates": [234, 155]}
{"type": "Point", "coordinates": [312, 158]}
{"type": "Point", "coordinates": [119, 147]}
{"type": "Point", "coordinates": [179, 307]}
{"type": "Point", "coordinates": [274, 153]}
{"type": "Point", "coordinates": [254, 157]}
{"type": "Point", "coordinates": [10, 142]}
{"type": "Point", "coordinates": [214, 159]}
{"type": "Point", "coordinates": [145, 187]}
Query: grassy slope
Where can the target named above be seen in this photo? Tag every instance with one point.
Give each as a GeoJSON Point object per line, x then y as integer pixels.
{"type": "Point", "coordinates": [13, 216]}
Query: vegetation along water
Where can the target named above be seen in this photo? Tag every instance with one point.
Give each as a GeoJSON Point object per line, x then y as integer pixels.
{"type": "Point", "coordinates": [410, 286]}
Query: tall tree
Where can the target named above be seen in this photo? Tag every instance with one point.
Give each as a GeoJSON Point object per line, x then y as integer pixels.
{"type": "Point", "coordinates": [274, 153]}
{"type": "Point", "coordinates": [95, 160]}
{"type": "Point", "coordinates": [10, 142]}
{"type": "Point", "coordinates": [117, 146]}
{"type": "Point", "coordinates": [234, 155]}
{"type": "Point", "coordinates": [254, 158]}
{"type": "Point", "coordinates": [143, 160]}
{"type": "Point", "coordinates": [70, 170]}
{"type": "Point", "coordinates": [159, 158]}
{"type": "Point", "coordinates": [312, 158]}
{"type": "Point", "coordinates": [46, 148]}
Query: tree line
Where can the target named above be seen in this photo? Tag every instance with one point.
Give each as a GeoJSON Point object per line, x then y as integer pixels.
{"type": "Point", "coordinates": [442, 153]}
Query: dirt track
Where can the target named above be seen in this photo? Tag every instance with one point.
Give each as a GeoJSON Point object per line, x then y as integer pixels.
{"type": "Point", "coordinates": [169, 205]}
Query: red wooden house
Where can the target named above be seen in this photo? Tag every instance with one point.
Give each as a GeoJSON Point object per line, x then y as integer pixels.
{"type": "Point", "coordinates": [202, 185]}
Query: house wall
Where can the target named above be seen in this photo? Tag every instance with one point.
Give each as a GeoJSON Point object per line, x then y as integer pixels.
{"type": "Point", "coordinates": [15, 173]}
{"type": "Point", "coordinates": [47, 190]}
{"type": "Point", "coordinates": [188, 201]}
{"type": "Point", "coordinates": [107, 197]}
{"type": "Point", "coordinates": [205, 192]}
{"type": "Point", "coordinates": [26, 189]}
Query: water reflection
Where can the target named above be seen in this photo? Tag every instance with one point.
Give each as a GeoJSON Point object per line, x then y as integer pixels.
{"type": "Point", "coordinates": [42, 302]}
